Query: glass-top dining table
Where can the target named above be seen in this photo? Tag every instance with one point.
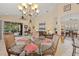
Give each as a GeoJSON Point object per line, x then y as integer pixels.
{"type": "Point", "coordinates": [38, 46]}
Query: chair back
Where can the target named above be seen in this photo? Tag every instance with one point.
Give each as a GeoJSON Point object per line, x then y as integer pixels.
{"type": "Point", "coordinates": [9, 40]}
{"type": "Point", "coordinates": [52, 50]}
{"type": "Point", "coordinates": [55, 43]}
{"type": "Point", "coordinates": [55, 40]}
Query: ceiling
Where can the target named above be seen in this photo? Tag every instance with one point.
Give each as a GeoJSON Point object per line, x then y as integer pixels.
{"type": "Point", "coordinates": [12, 10]}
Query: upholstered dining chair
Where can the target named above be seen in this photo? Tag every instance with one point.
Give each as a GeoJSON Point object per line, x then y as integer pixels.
{"type": "Point", "coordinates": [52, 50]}
{"type": "Point", "coordinates": [11, 46]}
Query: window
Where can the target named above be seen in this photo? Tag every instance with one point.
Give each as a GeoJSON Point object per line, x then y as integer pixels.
{"type": "Point", "coordinates": [15, 28]}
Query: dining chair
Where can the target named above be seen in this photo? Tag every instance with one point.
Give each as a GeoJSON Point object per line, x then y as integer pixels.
{"type": "Point", "coordinates": [48, 52]}
{"type": "Point", "coordinates": [75, 46]}
{"type": "Point", "coordinates": [11, 46]}
{"type": "Point", "coordinates": [52, 50]}
{"type": "Point", "coordinates": [55, 42]}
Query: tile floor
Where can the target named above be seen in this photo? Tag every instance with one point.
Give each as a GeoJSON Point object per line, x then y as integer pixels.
{"type": "Point", "coordinates": [67, 47]}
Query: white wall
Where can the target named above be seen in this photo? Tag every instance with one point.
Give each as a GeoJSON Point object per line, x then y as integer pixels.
{"type": "Point", "coordinates": [49, 17]}
{"type": "Point", "coordinates": [66, 16]}
{"type": "Point", "coordinates": [3, 51]}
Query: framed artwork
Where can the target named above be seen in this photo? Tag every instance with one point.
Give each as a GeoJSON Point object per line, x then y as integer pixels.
{"type": "Point", "coordinates": [67, 7]}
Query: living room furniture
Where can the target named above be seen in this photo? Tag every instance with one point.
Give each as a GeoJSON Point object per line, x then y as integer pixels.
{"type": "Point", "coordinates": [50, 36]}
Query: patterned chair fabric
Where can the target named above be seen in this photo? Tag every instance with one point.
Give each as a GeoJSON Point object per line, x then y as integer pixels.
{"type": "Point", "coordinates": [11, 46]}
{"type": "Point", "coordinates": [53, 48]}
{"type": "Point", "coordinates": [17, 49]}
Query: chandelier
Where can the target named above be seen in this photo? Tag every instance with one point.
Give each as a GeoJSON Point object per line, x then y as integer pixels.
{"type": "Point", "coordinates": [28, 9]}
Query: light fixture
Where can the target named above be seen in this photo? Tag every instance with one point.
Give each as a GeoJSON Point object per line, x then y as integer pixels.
{"type": "Point", "coordinates": [28, 9]}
